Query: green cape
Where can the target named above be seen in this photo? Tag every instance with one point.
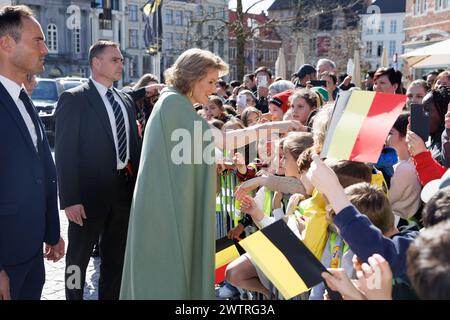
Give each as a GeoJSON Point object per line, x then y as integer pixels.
{"type": "Point", "coordinates": [171, 234]}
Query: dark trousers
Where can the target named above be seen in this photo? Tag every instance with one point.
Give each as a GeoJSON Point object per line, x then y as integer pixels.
{"type": "Point", "coordinates": [112, 227]}
{"type": "Point", "coordinates": [26, 280]}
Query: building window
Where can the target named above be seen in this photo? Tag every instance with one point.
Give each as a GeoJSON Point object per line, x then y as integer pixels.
{"type": "Point", "coordinates": [169, 40]}
{"type": "Point", "coordinates": [133, 66]}
{"type": "Point", "coordinates": [133, 38]}
{"type": "Point", "coordinates": [132, 12]}
{"type": "Point", "coordinates": [105, 20]}
{"type": "Point", "coordinates": [179, 40]}
{"type": "Point", "coordinates": [211, 11]}
{"type": "Point", "coordinates": [221, 49]}
{"type": "Point", "coordinates": [188, 18]}
{"type": "Point", "coordinates": [369, 48]}
{"type": "Point", "coordinates": [52, 38]}
{"type": "Point", "coordinates": [77, 40]}
{"type": "Point", "coordinates": [393, 26]}
{"type": "Point", "coordinates": [441, 5]}
{"type": "Point", "coordinates": [232, 53]}
{"type": "Point", "coordinates": [392, 45]}
{"type": "Point", "coordinates": [380, 46]}
{"type": "Point", "coordinates": [211, 46]}
{"type": "Point", "coordinates": [211, 32]}
{"type": "Point", "coordinates": [313, 46]}
{"type": "Point", "coordinates": [147, 64]}
{"type": "Point", "coordinates": [178, 18]}
{"type": "Point", "coordinates": [420, 7]}
{"type": "Point", "coordinates": [381, 27]}
{"type": "Point", "coordinates": [168, 16]}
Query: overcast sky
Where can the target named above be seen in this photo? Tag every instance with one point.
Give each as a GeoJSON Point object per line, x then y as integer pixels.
{"type": "Point", "coordinates": [263, 5]}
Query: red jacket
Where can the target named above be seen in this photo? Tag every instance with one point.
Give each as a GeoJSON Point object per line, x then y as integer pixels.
{"type": "Point", "coordinates": [427, 168]}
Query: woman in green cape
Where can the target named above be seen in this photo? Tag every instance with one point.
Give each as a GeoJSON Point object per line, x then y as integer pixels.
{"type": "Point", "coordinates": [171, 234]}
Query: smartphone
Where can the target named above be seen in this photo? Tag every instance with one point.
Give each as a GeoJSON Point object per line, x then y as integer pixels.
{"type": "Point", "coordinates": [420, 120]}
{"type": "Point", "coordinates": [242, 100]}
{"type": "Point", "coordinates": [262, 80]}
{"type": "Point", "coordinates": [319, 83]}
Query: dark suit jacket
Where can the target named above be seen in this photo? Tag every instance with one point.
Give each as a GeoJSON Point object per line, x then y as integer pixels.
{"type": "Point", "coordinates": [85, 151]}
{"type": "Point", "coordinates": [28, 200]}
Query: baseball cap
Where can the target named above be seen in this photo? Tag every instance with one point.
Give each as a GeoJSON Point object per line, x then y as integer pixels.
{"type": "Point", "coordinates": [432, 187]}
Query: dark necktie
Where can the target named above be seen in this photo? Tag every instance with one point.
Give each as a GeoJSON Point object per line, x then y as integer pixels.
{"type": "Point", "coordinates": [32, 112]}
{"type": "Point", "coordinates": [120, 126]}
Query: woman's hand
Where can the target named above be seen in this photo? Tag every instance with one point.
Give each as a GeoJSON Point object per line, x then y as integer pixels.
{"type": "Point", "coordinates": [248, 205]}
{"type": "Point", "coordinates": [293, 203]}
{"type": "Point", "coordinates": [415, 143]}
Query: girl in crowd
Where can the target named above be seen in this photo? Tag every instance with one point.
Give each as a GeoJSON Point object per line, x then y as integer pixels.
{"type": "Point", "coordinates": [416, 92]}
{"type": "Point", "coordinates": [215, 109]}
{"type": "Point", "coordinates": [404, 191]}
{"type": "Point", "coordinates": [303, 102]}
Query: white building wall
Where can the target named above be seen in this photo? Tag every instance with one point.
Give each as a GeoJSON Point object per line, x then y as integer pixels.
{"type": "Point", "coordinates": [385, 37]}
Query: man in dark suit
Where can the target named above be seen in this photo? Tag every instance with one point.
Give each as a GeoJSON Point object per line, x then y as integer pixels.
{"type": "Point", "coordinates": [97, 152]}
{"type": "Point", "coordinates": [28, 199]}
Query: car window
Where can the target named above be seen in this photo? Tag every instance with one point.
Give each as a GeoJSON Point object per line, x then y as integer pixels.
{"type": "Point", "coordinates": [70, 84]}
{"type": "Point", "coordinates": [45, 90]}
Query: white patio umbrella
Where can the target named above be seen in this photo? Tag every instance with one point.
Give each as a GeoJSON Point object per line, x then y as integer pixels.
{"type": "Point", "coordinates": [299, 57]}
{"type": "Point", "coordinates": [280, 65]}
{"type": "Point", "coordinates": [357, 69]}
{"type": "Point", "coordinates": [437, 54]}
{"type": "Point", "coordinates": [384, 59]}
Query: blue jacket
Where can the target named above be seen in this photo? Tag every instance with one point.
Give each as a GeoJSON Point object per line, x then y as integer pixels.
{"type": "Point", "coordinates": [28, 191]}
{"type": "Point", "coordinates": [365, 239]}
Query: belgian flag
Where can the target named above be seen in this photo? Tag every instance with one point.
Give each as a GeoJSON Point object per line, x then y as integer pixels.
{"type": "Point", "coordinates": [227, 250]}
{"type": "Point", "coordinates": [284, 259]}
{"type": "Point", "coordinates": [360, 124]}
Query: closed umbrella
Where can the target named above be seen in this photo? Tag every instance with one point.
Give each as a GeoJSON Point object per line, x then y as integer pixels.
{"type": "Point", "coordinates": [280, 65]}
{"type": "Point", "coordinates": [299, 56]}
{"type": "Point", "coordinates": [357, 69]}
{"type": "Point", "coordinates": [384, 59]}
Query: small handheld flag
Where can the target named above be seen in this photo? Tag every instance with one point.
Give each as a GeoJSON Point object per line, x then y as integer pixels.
{"type": "Point", "coordinates": [360, 125]}
{"type": "Point", "coordinates": [227, 250]}
{"type": "Point", "coordinates": [284, 259]}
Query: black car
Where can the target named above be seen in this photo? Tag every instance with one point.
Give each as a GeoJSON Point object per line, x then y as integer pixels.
{"type": "Point", "coordinates": [45, 97]}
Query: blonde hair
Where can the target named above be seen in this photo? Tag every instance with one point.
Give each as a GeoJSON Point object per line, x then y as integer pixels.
{"type": "Point", "coordinates": [191, 66]}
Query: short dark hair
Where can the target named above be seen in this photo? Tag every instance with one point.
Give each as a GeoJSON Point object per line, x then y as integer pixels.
{"type": "Point", "coordinates": [437, 208]}
{"type": "Point", "coordinates": [394, 76]}
{"type": "Point", "coordinates": [235, 84]}
{"type": "Point", "coordinates": [371, 73]}
{"type": "Point", "coordinates": [428, 261]}
{"type": "Point", "coordinates": [98, 47]}
{"type": "Point", "coordinates": [11, 20]}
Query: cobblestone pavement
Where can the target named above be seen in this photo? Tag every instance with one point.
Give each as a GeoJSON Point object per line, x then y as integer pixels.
{"type": "Point", "coordinates": [54, 273]}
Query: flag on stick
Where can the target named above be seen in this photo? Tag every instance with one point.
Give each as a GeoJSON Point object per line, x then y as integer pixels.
{"type": "Point", "coordinates": [284, 259]}
{"type": "Point", "coordinates": [227, 250]}
{"type": "Point", "coordinates": [360, 125]}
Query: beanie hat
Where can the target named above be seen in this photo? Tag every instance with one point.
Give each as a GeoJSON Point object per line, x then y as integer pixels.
{"type": "Point", "coordinates": [281, 100]}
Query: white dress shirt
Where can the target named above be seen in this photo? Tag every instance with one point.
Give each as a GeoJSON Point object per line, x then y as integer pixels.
{"type": "Point", "coordinates": [112, 119]}
{"type": "Point", "coordinates": [14, 91]}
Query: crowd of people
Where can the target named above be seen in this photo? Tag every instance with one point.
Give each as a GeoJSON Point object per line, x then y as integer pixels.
{"type": "Point", "coordinates": [154, 217]}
